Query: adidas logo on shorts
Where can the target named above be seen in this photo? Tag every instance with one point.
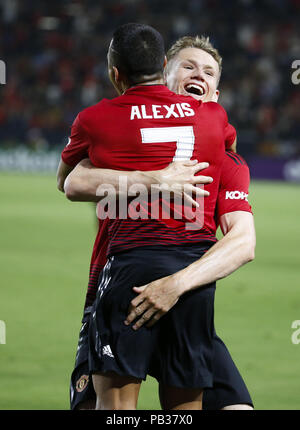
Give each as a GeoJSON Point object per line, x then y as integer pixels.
{"type": "Point", "coordinates": [106, 350]}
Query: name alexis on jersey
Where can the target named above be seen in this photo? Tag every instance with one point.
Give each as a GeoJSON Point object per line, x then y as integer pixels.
{"type": "Point", "coordinates": [176, 110]}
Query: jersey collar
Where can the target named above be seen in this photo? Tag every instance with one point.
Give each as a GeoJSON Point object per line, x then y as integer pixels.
{"type": "Point", "coordinates": [152, 88]}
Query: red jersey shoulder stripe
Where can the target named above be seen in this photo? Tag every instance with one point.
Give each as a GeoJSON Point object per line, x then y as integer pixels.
{"type": "Point", "coordinates": [235, 157]}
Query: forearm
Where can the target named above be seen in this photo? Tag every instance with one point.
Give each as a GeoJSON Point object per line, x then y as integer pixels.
{"type": "Point", "coordinates": [63, 171]}
{"type": "Point", "coordinates": [83, 182]}
{"type": "Point", "coordinates": [222, 259]}
{"type": "Point", "coordinates": [179, 177]}
{"type": "Point", "coordinates": [155, 299]}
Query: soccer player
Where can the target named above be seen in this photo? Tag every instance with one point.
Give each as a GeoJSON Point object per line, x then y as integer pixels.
{"type": "Point", "coordinates": [234, 215]}
{"type": "Point", "coordinates": [238, 159]}
{"type": "Point", "coordinates": [238, 244]}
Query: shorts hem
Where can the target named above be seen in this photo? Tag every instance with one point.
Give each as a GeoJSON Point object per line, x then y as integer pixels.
{"type": "Point", "coordinates": [118, 372]}
{"type": "Point", "coordinates": [203, 382]}
{"type": "Point", "coordinates": [74, 404]}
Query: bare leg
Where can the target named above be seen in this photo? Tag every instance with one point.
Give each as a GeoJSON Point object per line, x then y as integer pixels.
{"type": "Point", "coordinates": [173, 398]}
{"type": "Point", "coordinates": [115, 392]}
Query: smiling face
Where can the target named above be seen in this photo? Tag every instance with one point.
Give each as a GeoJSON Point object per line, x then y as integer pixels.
{"type": "Point", "coordinates": [194, 72]}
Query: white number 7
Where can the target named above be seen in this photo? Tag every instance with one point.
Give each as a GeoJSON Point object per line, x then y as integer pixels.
{"type": "Point", "coordinates": [185, 141]}
{"type": "Point", "coordinates": [183, 136]}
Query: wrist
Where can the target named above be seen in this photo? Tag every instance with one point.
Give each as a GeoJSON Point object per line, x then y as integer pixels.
{"type": "Point", "coordinates": [149, 178]}
{"type": "Point", "coordinates": [188, 279]}
{"type": "Point", "coordinates": [180, 282]}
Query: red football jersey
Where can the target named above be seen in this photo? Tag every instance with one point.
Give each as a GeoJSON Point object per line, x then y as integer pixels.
{"type": "Point", "coordinates": [234, 178]}
{"type": "Point", "coordinates": [234, 186]}
{"type": "Point", "coordinates": [146, 129]}
{"type": "Point", "coordinates": [78, 145]}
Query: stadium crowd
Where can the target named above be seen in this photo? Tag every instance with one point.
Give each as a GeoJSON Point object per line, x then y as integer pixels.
{"type": "Point", "coordinates": [55, 55]}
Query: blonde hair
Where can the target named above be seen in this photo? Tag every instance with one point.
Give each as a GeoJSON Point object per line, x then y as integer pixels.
{"type": "Point", "coordinates": [200, 42]}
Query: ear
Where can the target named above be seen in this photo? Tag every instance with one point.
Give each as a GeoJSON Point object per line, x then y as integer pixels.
{"type": "Point", "coordinates": [165, 70]}
{"type": "Point", "coordinates": [116, 74]}
{"type": "Point", "coordinates": [215, 97]}
{"type": "Point", "coordinates": [115, 79]}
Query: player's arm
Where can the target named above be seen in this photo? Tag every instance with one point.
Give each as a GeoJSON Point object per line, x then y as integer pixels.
{"type": "Point", "coordinates": [236, 248]}
{"type": "Point", "coordinates": [75, 151]}
{"type": "Point", "coordinates": [63, 171]}
{"type": "Point", "coordinates": [83, 182]}
{"type": "Point", "coordinates": [230, 138]}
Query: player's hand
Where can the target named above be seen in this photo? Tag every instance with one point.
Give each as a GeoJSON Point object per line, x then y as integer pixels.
{"type": "Point", "coordinates": [179, 177]}
{"type": "Point", "coordinates": [152, 302]}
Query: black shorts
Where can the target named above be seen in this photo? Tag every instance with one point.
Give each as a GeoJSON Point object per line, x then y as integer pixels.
{"type": "Point", "coordinates": [178, 349]}
{"type": "Point", "coordinates": [228, 385]}
{"type": "Point", "coordinates": [81, 385]}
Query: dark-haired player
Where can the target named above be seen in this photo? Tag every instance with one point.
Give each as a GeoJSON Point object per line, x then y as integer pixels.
{"type": "Point", "coordinates": [108, 350]}
{"type": "Point", "coordinates": [234, 216]}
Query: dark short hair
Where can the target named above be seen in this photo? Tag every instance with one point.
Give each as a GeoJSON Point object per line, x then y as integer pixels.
{"type": "Point", "coordinates": [137, 50]}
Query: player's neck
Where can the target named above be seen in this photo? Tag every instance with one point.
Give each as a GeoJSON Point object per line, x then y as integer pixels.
{"type": "Point", "coordinates": [153, 82]}
{"type": "Point", "coordinates": [124, 87]}
{"type": "Point", "coordinates": [145, 83]}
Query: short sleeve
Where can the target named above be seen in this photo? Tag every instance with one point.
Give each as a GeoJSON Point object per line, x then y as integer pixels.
{"type": "Point", "coordinates": [78, 145]}
{"type": "Point", "coordinates": [230, 136]}
{"type": "Point", "coordinates": [234, 185]}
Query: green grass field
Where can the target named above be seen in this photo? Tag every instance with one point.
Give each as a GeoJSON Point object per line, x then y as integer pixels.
{"type": "Point", "coordinates": [45, 250]}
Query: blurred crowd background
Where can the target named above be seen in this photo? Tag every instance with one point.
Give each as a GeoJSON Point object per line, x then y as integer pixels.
{"type": "Point", "coordinates": [55, 55]}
